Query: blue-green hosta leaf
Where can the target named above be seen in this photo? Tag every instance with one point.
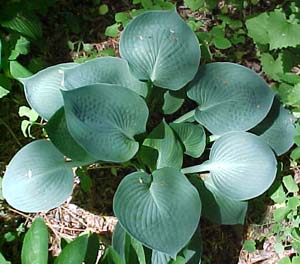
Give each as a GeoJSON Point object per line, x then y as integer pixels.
{"type": "Point", "coordinates": [216, 206]}
{"type": "Point", "coordinates": [35, 244]}
{"type": "Point", "coordinates": [60, 136]}
{"type": "Point", "coordinates": [37, 178]}
{"type": "Point", "coordinates": [127, 247]}
{"type": "Point", "coordinates": [74, 252]}
{"type": "Point", "coordinates": [118, 240]}
{"type": "Point", "coordinates": [103, 119]}
{"type": "Point", "coordinates": [242, 165]}
{"type": "Point", "coordinates": [231, 97]}
{"type": "Point", "coordinates": [158, 257]}
{"type": "Point", "coordinates": [192, 136]}
{"type": "Point", "coordinates": [277, 129]}
{"type": "Point", "coordinates": [156, 205]}
{"type": "Point", "coordinates": [160, 47]}
{"type": "Point", "coordinates": [163, 139]}
{"type": "Point", "coordinates": [172, 103]}
{"type": "Point", "coordinates": [110, 70]}
{"type": "Point", "coordinates": [42, 90]}
{"type": "Point", "coordinates": [193, 251]}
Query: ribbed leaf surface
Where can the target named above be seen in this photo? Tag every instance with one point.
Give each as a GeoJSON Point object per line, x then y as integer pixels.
{"type": "Point", "coordinates": [104, 70]}
{"type": "Point", "coordinates": [158, 257]}
{"type": "Point", "coordinates": [37, 178]}
{"type": "Point", "coordinates": [216, 206]}
{"type": "Point", "coordinates": [163, 139]}
{"type": "Point", "coordinates": [60, 136]}
{"type": "Point", "coordinates": [160, 47]}
{"type": "Point", "coordinates": [277, 129]}
{"type": "Point", "coordinates": [42, 89]}
{"type": "Point", "coordinates": [242, 165]}
{"type": "Point", "coordinates": [162, 210]}
{"type": "Point", "coordinates": [104, 118]}
{"type": "Point", "coordinates": [231, 97]}
{"type": "Point", "coordinates": [192, 137]}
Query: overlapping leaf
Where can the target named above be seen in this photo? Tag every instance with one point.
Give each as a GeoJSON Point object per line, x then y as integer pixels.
{"type": "Point", "coordinates": [231, 97]}
{"type": "Point", "coordinates": [37, 178]}
{"type": "Point", "coordinates": [42, 90]}
{"type": "Point", "coordinates": [216, 206]}
{"type": "Point", "coordinates": [156, 205]}
{"type": "Point", "coordinates": [109, 70]}
{"type": "Point", "coordinates": [160, 47]}
{"type": "Point", "coordinates": [192, 136]}
{"type": "Point", "coordinates": [104, 119]}
{"type": "Point", "coordinates": [277, 129]}
{"type": "Point", "coordinates": [60, 136]}
{"type": "Point", "coordinates": [163, 139]}
{"type": "Point", "coordinates": [241, 164]}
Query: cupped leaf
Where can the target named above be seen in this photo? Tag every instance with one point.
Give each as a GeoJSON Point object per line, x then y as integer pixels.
{"type": "Point", "coordinates": [110, 70]}
{"type": "Point", "coordinates": [172, 102]}
{"type": "Point", "coordinates": [74, 253]}
{"type": "Point", "coordinates": [60, 136]}
{"type": "Point", "coordinates": [127, 247]}
{"type": "Point", "coordinates": [160, 47]}
{"type": "Point", "coordinates": [242, 165]}
{"type": "Point", "coordinates": [104, 118]}
{"type": "Point", "coordinates": [37, 178]}
{"type": "Point", "coordinates": [192, 137]}
{"type": "Point", "coordinates": [163, 139]}
{"type": "Point", "coordinates": [42, 89]}
{"type": "Point", "coordinates": [35, 244]}
{"type": "Point", "coordinates": [216, 206]}
{"type": "Point", "coordinates": [277, 129]}
{"type": "Point", "coordinates": [156, 205]}
{"type": "Point", "coordinates": [231, 97]}
{"type": "Point", "coordinates": [158, 257]}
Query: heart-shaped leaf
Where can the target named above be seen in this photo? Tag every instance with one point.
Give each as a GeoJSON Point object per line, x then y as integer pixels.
{"type": "Point", "coordinates": [110, 256]}
{"type": "Point", "coordinates": [163, 139]}
{"type": "Point", "coordinates": [110, 70]}
{"type": "Point", "coordinates": [35, 244]}
{"type": "Point", "coordinates": [277, 129]}
{"type": "Point", "coordinates": [60, 136]}
{"type": "Point", "coordinates": [160, 47]}
{"type": "Point", "coordinates": [42, 89]}
{"type": "Point", "coordinates": [241, 164]}
{"type": "Point", "coordinates": [156, 205]}
{"type": "Point", "coordinates": [37, 178]}
{"type": "Point", "coordinates": [103, 119]}
{"type": "Point", "coordinates": [192, 137]}
{"type": "Point", "coordinates": [231, 97]}
{"type": "Point", "coordinates": [217, 207]}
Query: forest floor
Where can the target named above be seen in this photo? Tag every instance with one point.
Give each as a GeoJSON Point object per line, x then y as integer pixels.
{"type": "Point", "coordinates": [93, 210]}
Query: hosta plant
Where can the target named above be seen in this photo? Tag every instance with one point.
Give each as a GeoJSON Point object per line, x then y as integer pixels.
{"type": "Point", "coordinates": [112, 110]}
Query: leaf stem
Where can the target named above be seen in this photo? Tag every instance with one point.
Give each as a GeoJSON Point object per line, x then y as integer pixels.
{"type": "Point", "coordinates": [185, 117]}
{"type": "Point", "coordinates": [205, 166]}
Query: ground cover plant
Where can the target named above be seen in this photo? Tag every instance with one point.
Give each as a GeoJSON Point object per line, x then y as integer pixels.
{"type": "Point", "coordinates": [106, 110]}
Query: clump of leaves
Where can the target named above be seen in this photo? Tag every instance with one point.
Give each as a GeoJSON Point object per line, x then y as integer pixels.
{"type": "Point", "coordinates": [102, 110]}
